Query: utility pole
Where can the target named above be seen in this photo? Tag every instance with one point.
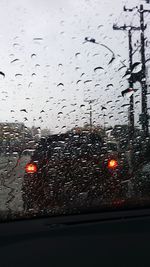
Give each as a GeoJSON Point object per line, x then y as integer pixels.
{"type": "Point", "coordinates": [144, 115]}
{"type": "Point", "coordinates": [90, 114]}
{"type": "Point", "coordinates": [131, 113]}
{"type": "Point", "coordinates": [131, 109]}
{"type": "Point", "coordinates": [104, 121]}
{"type": "Point", "coordinates": [90, 109]}
{"type": "Point", "coordinates": [143, 81]}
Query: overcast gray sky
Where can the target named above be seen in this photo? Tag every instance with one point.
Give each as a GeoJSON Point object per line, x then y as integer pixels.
{"type": "Point", "coordinates": [34, 67]}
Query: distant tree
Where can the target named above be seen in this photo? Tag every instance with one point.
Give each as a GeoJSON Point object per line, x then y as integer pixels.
{"type": "Point", "coordinates": [120, 131]}
{"type": "Point", "coordinates": [121, 134]}
{"type": "Point", "coordinates": [45, 132]}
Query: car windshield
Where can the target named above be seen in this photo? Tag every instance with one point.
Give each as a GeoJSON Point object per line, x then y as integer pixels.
{"type": "Point", "coordinates": [74, 106]}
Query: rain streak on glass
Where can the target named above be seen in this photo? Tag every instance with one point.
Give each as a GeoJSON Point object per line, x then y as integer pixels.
{"type": "Point", "coordinates": [75, 107]}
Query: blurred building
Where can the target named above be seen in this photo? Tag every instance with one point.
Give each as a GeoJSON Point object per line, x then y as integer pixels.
{"type": "Point", "coordinates": [13, 136]}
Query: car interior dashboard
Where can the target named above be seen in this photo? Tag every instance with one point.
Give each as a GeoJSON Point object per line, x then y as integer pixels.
{"type": "Point", "coordinates": [118, 238]}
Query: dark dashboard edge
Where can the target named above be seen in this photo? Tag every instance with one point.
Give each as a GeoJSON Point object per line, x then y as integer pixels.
{"type": "Point", "coordinates": [43, 223]}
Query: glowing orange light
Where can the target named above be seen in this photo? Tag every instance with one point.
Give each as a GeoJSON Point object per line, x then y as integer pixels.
{"type": "Point", "coordinates": [31, 168]}
{"type": "Point", "coordinates": [112, 164]}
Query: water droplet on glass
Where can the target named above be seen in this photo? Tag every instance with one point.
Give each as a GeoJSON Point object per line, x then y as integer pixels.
{"type": "Point", "coordinates": [33, 56]}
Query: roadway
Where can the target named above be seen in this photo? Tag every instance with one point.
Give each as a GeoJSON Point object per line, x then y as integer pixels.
{"type": "Point", "coordinates": [12, 170]}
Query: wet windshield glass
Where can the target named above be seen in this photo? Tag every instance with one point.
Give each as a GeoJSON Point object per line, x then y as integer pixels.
{"type": "Point", "coordinates": [74, 106]}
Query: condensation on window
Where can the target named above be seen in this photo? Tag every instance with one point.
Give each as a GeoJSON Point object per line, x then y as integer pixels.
{"type": "Point", "coordinates": [74, 106]}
